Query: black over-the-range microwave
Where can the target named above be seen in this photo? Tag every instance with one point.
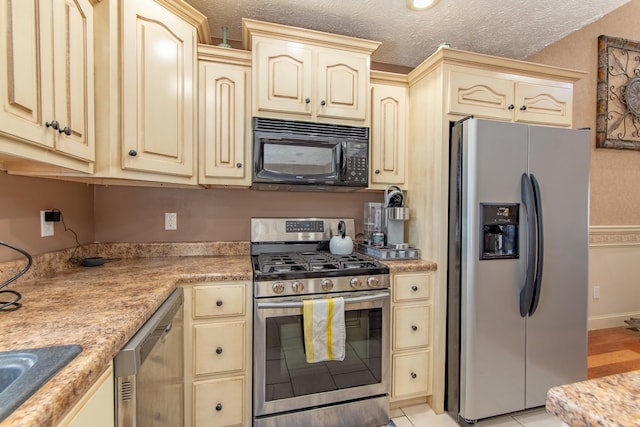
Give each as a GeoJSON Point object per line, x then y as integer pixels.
{"type": "Point", "coordinates": [295, 155]}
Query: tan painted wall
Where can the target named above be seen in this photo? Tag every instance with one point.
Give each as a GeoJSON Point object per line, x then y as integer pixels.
{"type": "Point", "coordinates": [136, 214]}
{"type": "Point", "coordinates": [22, 199]}
{"type": "Point", "coordinates": [615, 174]}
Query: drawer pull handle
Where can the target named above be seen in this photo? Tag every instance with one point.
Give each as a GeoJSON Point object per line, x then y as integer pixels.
{"type": "Point", "coordinates": [219, 303]}
{"type": "Point", "coordinates": [414, 328]}
{"type": "Point", "coordinates": [133, 153]}
{"type": "Point", "coordinates": [414, 375]}
{"type": "Point", "coordinates": [414, 288]}
{"type": "Point", "coordinates": [219, 350]}
{"type": "Point", "coordinates": [219, 407]}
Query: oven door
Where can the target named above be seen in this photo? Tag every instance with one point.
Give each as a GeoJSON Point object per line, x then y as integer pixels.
{"type": "Point", "coordinates": [284, 381]}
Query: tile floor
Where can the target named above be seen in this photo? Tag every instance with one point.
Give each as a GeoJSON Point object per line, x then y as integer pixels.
{"type": "Point", "coordinates": [423, 416]}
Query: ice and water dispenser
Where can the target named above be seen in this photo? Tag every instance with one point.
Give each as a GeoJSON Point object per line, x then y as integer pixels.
{"type": "Point", "coordinates": [500, 228]}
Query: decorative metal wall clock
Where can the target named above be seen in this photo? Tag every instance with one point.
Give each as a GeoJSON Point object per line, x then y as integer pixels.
{"type": "Point", "coordinates": [618, 109]}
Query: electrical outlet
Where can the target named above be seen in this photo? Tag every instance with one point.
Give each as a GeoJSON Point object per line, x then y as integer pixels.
{"type": "Point", "coordinates": [596, 292]}
{"type": "Point", "coordinates": [46, 227]}
{"type": "Point", "coordinates": [170, 221]}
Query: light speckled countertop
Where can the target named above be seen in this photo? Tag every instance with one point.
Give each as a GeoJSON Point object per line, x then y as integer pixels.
{"type": "Point", "coordinates": [611, 401]}
{"type": "Point", "coordinates": [101, 308]}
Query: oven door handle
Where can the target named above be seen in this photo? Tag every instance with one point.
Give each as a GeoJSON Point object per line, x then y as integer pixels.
{"type": "Point", "coordinates": [299, 304]}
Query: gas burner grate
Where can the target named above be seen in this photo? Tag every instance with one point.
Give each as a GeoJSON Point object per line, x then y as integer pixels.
{"type": "Point", "coordinates": [313, 261]}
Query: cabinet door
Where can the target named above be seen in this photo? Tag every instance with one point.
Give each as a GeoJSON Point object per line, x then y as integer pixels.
{"type": "Point", "coordinates": [544, 103]}
{"type": "Point", "coordinates": [388, 135]}
{"type": "Point", "coordinates": [342, 85]}
{"type": "Point", "coordinates": [488, 96]}
{"type": "Point", "coordinates": [73, 76]}
{"type": "Point", "coordinates": [159, 84]}
{"type": "Point", "coordinates": [26, 88]}
{"type": "Point", "coordinates": [225, 131]}
{"type": "Point", "coordinates": [282, 78]}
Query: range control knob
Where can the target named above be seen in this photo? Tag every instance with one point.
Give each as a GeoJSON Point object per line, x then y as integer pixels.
{"type": "Point", "coordinates": [278, 287]}
{"type": "Point", "coordinates": [327, 284]}
{"type": "Point", "coordinates": [355, 283]}
{"type": "Point", "coordinates": [297, 286]}
{"type": "Point", "coordinates": [373, 282]}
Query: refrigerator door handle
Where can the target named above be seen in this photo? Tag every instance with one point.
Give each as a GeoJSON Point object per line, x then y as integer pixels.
{"type": "Point", "coordinates": [528, 200]}
{"type": "Point", "coordinates": [540, 250]}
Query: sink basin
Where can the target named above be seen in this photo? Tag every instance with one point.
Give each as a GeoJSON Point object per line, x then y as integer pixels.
{"type": "Point", "coordinates": [23, 372]}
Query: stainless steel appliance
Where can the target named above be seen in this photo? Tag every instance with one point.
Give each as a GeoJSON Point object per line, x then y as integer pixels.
{"type": "Point", "coordinates": [309, 156]}
{"type": "Point", "coordinates": [149, 370]}
{"type": "Point", "coordinates": [518, 265]}
{"type": "Point", "coordinates": [291, 262]}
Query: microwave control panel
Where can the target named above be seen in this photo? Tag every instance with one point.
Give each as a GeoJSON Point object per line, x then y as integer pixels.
{"type": "Point", "coordinates": [357, 163]}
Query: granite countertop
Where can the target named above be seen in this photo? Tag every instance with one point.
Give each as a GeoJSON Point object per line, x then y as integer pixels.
{"type": "Point", "coordinates": [410, 265]}
{"type": "Point", "coordinates": [610, 401]}
{"type": "Point", "coordinates": [99, 308]}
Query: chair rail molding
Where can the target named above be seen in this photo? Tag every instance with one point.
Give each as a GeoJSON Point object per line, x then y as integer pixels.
{"type": "Point", "coordinates": [614, 235]}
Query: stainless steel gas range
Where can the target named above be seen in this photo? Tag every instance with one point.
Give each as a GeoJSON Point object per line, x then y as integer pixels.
{"type": "Point", "coordinates": [291, 263]}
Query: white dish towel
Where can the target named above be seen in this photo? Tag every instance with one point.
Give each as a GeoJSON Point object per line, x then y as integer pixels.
{"type": "Point", "coordinates": [324, 331]}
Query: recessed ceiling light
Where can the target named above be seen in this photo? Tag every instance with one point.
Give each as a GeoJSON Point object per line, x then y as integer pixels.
{"type": "Point", "coordinates": [421, 4]}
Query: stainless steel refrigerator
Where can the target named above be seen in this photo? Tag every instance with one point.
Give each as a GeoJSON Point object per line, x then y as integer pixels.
{"type": "Point", "coordinates": [517, 265]}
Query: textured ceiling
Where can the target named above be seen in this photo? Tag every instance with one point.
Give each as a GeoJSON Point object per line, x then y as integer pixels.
{"type": "Point", "coordinates": [509, 28]}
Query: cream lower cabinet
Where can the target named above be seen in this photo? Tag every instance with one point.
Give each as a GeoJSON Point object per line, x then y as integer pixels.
{"type": "Point", "coordinates": [225, 138]}
{"type": "Point", "coordinates": [308, 75]}
{"type": "Point", "coordinates": [389, 126]}
{"type": "Point", "coordinates": [411, 332]}
{"type": "Point", "coordinates": [146, 83]}
{"type": "Point", "coordinates": [218, 348]}
{"type": "Point", "coordinates": [47, 84]}
{"type": "Point", "coordinates": [96, 407]}
{"type": "Point", "coordinates": [501, 96]}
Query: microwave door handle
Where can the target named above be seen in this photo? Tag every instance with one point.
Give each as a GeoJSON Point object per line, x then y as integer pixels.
{"type": "Point", "coordinates": [299, 304]}
{"type": "Point", "coordinates": [343, 162]}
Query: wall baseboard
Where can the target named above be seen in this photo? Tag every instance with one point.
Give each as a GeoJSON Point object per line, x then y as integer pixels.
{"type": "Point", "coordinates": [610, 321]}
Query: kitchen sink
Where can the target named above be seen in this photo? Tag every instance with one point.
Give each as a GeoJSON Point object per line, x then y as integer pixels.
{"type": "Point", "coordinates": [23, 372]}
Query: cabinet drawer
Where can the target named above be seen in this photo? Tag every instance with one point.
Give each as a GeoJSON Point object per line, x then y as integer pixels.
{"type": "Point", "coordinates": [411, 374]}
{"type": "Point", "coordinates": [411, 326]}
{"type": "Point", "coordinates": [411, 287]}
{"type": "Point", "coordinates": [218, 347]}
{"type": "Point", "coordinates": [218, 300]}
{"type": "Point", "coordinates": [219, 402]}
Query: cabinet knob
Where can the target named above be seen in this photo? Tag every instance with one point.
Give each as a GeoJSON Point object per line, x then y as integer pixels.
{"type": "Point", "coordinates": [133, 153]}
{"type": "Point", "coordinates": [377, 171]}
{"type": "Point", "coordinates": [414, 328]}
{"type": "Point", "coordinates": [511, 107]}
{"type": "Point", "coordinates": [219, 407]}
{"type": "Point", "coordinates": [323, 103]}
{"type": "Point", "coordinates": [219, 303]}
{"type": "Point", "coordinates": [238, 165]}
{"type": "Point", "coordinates": [53, 124]}
{"type": "Point", "coordinates": [414, 375]}
{"type": "Point", "coordinates": [524, 107]}
{"type": "Point", "coordinates": [414, 288]}
{"type": "Point", "coordinates": [66, 130]}
{"type": "Point", "coordinates": [307, 100]}
{"type": "Point", "coordinates": [219, 350]}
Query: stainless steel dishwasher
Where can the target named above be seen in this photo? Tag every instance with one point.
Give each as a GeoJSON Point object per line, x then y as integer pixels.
{"type": "Point", "coordinates": [149, 370]}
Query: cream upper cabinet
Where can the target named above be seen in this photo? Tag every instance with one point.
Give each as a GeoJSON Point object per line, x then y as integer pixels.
{"type": "Point", "coordinates": [307, 75]}
{"type": "Point", "coordinates": [509, 97]}
{"type": "Point", "coordinates": [389, 104]}
{"type": "Point", "coordinates": [47, 89]}
{"type": "Point", "coordinates": [224, 78]}
{"type": "Point", "coordinates": [147, 82]}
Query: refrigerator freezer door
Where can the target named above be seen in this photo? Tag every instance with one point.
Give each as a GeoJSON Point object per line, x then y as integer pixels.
{"type": "Point", "coordinates": [557, 331]}
{"type": "Point", "coordinates": [492, 339]}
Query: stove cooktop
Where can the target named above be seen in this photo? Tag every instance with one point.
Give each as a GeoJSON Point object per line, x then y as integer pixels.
{"type": "Point", "coordinates": [311, 261]}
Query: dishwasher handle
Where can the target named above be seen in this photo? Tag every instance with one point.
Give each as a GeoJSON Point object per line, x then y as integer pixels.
{"type": "Point", "coordinates": [128, 361]}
